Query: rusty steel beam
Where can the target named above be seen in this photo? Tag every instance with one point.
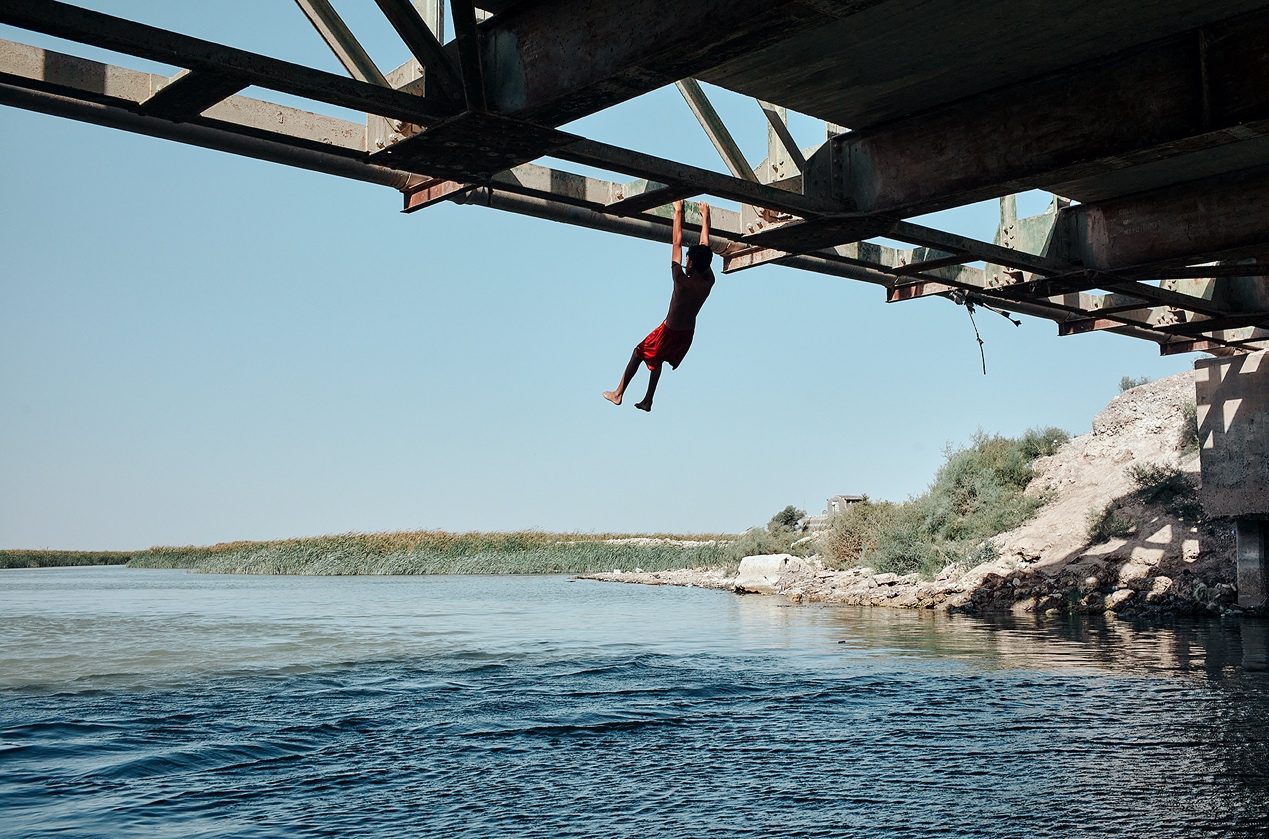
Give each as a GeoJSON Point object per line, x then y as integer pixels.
{"type": "Point", "coordinates": [916, 234]}
{"type": "Point", "coordinates": [467, 38]}
{"type": "Point", "coordinates": [189, 93]}
{"type": "Point", "coordinates": [656, 229]}
{"type": "Point", "coordinates": [62, 20]}
{"type": "Point", "coordinates": [1206, 272]}
{"type": "Point", "coordinates": [1082, 326]}
{"type": "Point", "coordinates": [1048, 309]}
{"type": "Point", "coordinates": [1234, 321]}
{"type": "Point", "coordinates": [777, 119]}
{"type": "Point", "coordinates": [639, 165]}
{"type": "Point", "coordinates": [554, 61]}
{"type": "Point", "coordinates": [1197, 345]}
{"type": "Point", "coordinates": [212, 134]}
{"type": "Point", "coordinates": [423, 44]}
{"type": "Point", "coordinates": [715, 129]}
{"type": "Point", "coordinates": [1135, 306]}
{"type": "Point", "coordinates": [431, 192]}
{"type": "Point", "coordinates": [341, 41]}
{"type": "Point", "coordinates": [914, 290]}
{"type": "Point", "coordinates": [79, 79]}
{"type": "Point", "coordinates": [930, 264]}
{"type": "Point", "coordinates": [751, 258]}
{"type": "Point", "coordinates": [657, 195]}
{"type": "Point", "coordinates": [1150, 103]}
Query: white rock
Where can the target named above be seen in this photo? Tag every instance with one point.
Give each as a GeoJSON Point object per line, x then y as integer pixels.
{"type": "Point", "coordinates": [1116, 598]}
{"type": "Point", "coordinates": [762, 574]}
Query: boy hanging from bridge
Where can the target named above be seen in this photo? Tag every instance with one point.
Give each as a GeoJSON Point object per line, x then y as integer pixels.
{"type": "Point", "coordinates": [671, 340]}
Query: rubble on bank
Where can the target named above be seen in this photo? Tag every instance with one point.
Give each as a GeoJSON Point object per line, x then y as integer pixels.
{"type": "Point", "coordinates": [1166, 566]}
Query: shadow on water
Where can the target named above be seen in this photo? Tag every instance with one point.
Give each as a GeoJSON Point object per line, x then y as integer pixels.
{"type": "Point", "coordinates": [1179, 646]}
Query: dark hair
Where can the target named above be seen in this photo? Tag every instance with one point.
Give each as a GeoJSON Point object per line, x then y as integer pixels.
{"type": "Point", "coordinates": [700, 256]}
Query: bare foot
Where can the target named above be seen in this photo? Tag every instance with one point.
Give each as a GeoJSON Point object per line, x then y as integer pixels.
{"type": "Point", "coordinates": [644, 406]}
{"type": "Point", "coordinates": [613, 396]}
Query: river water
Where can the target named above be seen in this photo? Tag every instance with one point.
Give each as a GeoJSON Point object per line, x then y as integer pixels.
{"type": "Point", "coordinates": [156, 703]}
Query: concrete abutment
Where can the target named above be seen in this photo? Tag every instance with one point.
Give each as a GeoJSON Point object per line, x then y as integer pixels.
{"type": "Point", "coordinates": [1232, 395]}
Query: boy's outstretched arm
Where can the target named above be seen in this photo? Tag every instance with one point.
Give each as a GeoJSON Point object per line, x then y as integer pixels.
{"type": "Point", "coordinates": [704, 224]}
{"type": "Point", "coordinates": [676, 254]}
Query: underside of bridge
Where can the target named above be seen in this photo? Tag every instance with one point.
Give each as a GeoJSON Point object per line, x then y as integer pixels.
{"type": "Point", "coordinates": [1149, 124]}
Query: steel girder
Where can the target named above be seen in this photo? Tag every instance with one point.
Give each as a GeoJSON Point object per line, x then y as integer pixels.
{"type": "Point", "coordinates": [488, 104]}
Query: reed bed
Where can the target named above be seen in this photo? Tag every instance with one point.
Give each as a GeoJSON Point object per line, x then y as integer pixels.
{"type": "Point", "coordinates": [439, 552]}
{"type": "Point", "coordinates": [60, 559]}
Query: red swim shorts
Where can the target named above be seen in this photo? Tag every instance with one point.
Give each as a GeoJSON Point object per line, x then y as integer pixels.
{"type": "Point", "coordinates": [664, 344]}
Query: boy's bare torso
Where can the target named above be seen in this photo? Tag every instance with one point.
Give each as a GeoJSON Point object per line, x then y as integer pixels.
{"type": "Point", "coordinates": [691, 290]}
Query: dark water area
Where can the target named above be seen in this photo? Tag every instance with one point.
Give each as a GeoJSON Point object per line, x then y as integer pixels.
{"type": "Point", "coordinates": [165, 704]}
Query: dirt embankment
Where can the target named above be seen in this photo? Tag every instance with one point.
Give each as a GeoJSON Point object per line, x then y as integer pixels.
{"type": "Point", "coordinates": [1048, 564]}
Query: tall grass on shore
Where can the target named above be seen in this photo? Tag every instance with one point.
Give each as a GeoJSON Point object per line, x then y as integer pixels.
{"type": "Point", "coordinates": [976, 494]}
{"type": "Point", "coordinates": [428, 552]}
{"type": "Point", "coordinates": [61, 559]}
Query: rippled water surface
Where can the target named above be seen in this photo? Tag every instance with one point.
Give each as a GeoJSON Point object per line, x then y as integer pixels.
{"type": "Point", "coordinates": [159, 703]}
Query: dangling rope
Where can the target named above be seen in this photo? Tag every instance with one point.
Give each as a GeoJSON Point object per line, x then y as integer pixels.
{"type": "Point", "coordinates": [969, 307]}
{"type": "Point", "coordinates": [960, 298]}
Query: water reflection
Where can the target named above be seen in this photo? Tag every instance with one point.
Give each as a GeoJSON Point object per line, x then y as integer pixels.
{"type": "Point", "coordinates": [1182, 646]}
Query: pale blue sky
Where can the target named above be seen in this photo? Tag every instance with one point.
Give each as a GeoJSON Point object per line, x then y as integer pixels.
{"type": "Point", "coordinates": [196, 347]}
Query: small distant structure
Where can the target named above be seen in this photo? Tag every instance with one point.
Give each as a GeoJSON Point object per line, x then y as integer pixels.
{"type": "Point", "coordinates": [840, 502]}
{"type": "Point", "coordinates": [833, 506]}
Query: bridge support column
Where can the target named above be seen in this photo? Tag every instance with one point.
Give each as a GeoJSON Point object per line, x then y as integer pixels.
{"type": "Point", "coordinates": [1233, 416]}
{"type": "Point", "coordinates": [1252, 537]}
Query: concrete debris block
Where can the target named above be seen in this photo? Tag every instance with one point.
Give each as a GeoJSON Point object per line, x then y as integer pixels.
{"type": "Point", "coordinates": [1159, 588]}
{"type": "Point", "coordinates": [762, 574]}
{"type": "Point", "coordinates": [1117, 598]}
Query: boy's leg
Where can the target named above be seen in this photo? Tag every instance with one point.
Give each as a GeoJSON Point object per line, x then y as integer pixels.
{"type": "Point", "coordinates": [614, 396]}
{"type": "Point", "coordinates": [646, 404]}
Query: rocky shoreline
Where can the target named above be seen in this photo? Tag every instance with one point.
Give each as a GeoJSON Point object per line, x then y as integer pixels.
{"type": "Point", "coordinates": [1166, 566]}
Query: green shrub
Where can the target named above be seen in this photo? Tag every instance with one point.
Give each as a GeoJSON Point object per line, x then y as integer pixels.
{"type": "Point", "coordinates": [976, 494]}
{"type": "Point", "coordinates": [1042, 442]}
{"type": "Point", "coordinates": [907, 546]}
{"type": "Point", "coordinates": [786, 519]}
{"type": "Point", "coordinates": [853, 533]}
{"type": "Point", "coordinates": [1128, 383]}
{"type": "Point", "coordinates": [1168, 487]}
{"type": "Point", "coordinates": [1104, 525]}
{"type": "Point", "coordinates": [1189, 439]}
